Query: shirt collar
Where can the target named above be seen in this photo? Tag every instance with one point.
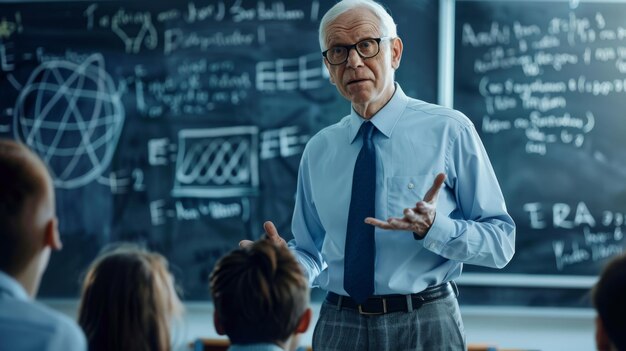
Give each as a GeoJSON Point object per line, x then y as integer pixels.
{"type": "Point", "coordinates": [384, 120]}
{"type": "Point", "coordinates": [255, 347]}
{"type": "Point", "coordinates": [12, 287]}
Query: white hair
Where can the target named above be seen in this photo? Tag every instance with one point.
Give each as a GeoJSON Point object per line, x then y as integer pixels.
{"type": "Point", "coordinates": [387, 25]}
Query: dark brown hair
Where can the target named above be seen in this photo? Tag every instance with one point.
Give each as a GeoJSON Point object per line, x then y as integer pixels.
{"type": "Point", "coordinates": [23, 178]}
{"type": "Point", "coordinates": [128, 301]}
{"type": "Point", "coordinates": [259, 293]}
{"type": "Point", "coordinates": [609, 300]}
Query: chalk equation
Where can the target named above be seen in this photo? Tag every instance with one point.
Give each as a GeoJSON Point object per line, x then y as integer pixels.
{"type": "Point", "coordinates": [197, 88]}
{"type": "Point", "coordinates": [282, 142]}
{"type": "Point", "coordinates": [124, 181]}
{"type": "Point", "coordinates": [595, 236]}
{"type": "Point", "coordinates": [532, 76]}
{"type": "Point", "coordinates": [185, 210]}
{"type": "Point", "coordinates": [203, 86]}
{"type": "Point", "coordinates": [144, 30]}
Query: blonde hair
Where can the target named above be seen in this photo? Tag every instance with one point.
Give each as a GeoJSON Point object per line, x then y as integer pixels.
{"type": "Point", "coordinates": [260, 293]}
{"type": "Point", "coordinates": [128, 301]}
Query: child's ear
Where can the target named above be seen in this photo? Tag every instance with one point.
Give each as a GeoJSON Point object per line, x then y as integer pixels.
{"type": "Point", "coordinates": [218, 324]}
{"type": "Point", "coordinates": [52, 237]}
{"type": "Point", "coordinates": [602, 339]}
{"type": "Point", "coordinates": [304, 322]}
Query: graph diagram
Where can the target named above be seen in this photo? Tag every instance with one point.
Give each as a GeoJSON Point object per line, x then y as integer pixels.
{"type": "Point", "coordinates": [71, 115]}
{"type": "Point", "coordinates": [217, 163]}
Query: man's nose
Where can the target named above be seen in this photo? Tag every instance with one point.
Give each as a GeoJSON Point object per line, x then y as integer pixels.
{"type": "Point", "coordinates": [354, 59]}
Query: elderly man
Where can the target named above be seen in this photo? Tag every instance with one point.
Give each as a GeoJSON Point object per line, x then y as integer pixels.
{"type": "Point", "coordinates": [422, 166]}
{"type": "Point", "coordinates": [28, 232]}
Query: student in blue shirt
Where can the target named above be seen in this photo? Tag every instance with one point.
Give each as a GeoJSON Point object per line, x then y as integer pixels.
{"type": "Point", "coordinates": [28, 233]}
{"type": "Point", "coordinates": [420, 166]}
{"type": "Point", "coordinates": [261, 298]}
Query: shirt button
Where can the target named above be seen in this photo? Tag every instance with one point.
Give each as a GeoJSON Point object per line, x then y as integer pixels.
{"type": "Point", "coordinates": [411, 185]}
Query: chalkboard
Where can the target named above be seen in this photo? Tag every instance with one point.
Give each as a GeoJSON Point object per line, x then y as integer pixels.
{"type": "Point", "coordinates": [178, 125]}
{"type": "Point", "coordinates": [545, 84]}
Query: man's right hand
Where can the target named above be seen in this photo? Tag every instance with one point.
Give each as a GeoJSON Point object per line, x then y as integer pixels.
{"type": "Point", "coordinates": [270, 233]}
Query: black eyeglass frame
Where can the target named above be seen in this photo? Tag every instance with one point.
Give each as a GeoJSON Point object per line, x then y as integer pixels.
{"type": "Point", "coordinates": [355, 47]}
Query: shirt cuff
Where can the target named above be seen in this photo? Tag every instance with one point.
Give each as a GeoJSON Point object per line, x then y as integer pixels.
{"type": "Point", "coordinates": [439, 233]}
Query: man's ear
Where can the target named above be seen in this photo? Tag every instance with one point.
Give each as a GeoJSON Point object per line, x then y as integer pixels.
{"type": "Point", "coordinates": [332, 81]}
{"type": "Point", "coordinates": [396, 52]}
{"type": "Point", "coordinates": [218, 325]}
{"type": "Point", "coordinates": [304, 322]}
{"type": "Point", "coordinates": [602, 340]}
{"type": "Point", "coordinates": [52, 237]}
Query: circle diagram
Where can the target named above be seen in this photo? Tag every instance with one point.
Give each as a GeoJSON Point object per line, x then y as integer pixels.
{"type": "Point", "coordinates": [72, 116]}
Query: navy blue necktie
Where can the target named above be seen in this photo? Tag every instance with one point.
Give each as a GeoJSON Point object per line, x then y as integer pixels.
{"type": "Point", "coordinates": [360, 252]}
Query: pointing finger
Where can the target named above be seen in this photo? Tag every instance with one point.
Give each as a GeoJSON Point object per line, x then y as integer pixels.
{"type": "Point", "coordinates": [270, 230]}
{"type": "Point", "coordinates": [272, 233]}
{"type": "Point", "coordinates": [433, 192]}
{"type": "Point", "coordinates": [378, 223]}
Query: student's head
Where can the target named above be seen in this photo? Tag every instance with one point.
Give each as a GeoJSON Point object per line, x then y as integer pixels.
{"type": "Point", "coordinates": [128, 301]}
{"type": "Point", "coordinates": [260, 295]}
{"type": "Point", "coordinates": [608, 299]}
{"type": "Point", "coordinates": [28, 224]}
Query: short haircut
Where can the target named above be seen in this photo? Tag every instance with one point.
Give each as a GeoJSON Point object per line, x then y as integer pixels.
{"type": "Point", "coordinates": [609, 299]}
{"type": "Point", "coordinates": [387, 25]}
{"type": "Point", "coordinates": [23, 178]}
{"type": "Point", "coordinates": [128, 301]}
{"type": "Point", "coordinates": [260, 293]}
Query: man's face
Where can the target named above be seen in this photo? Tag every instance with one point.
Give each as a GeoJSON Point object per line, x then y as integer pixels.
{"type": "Point", "coordinates": [367, 83]}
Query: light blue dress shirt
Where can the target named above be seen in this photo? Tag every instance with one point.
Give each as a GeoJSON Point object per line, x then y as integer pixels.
{"type": "Point", "coordinates": [255, 347]}
{"type": "Point", "coordinates": [414, 142]}
{"type": "Point", "coordinates": [28, 325]}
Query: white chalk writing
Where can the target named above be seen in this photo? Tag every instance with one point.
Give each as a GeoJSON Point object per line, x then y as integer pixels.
{"type": "Point", "coordinates": [541, 104]}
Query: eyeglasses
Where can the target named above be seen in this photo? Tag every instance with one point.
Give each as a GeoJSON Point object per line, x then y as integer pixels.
{"type": "Point", "coordinates": [366, 48]}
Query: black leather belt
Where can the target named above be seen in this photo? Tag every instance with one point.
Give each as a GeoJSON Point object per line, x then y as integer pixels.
{"type": "Point", "coordinates": [393, 303]}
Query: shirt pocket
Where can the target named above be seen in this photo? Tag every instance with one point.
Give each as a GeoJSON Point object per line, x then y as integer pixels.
{"type": "Point", "coordinates": [405, 191]}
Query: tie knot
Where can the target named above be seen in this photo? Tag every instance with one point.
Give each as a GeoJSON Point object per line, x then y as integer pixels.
{"type": "Point", "coordinates": [368, 130]}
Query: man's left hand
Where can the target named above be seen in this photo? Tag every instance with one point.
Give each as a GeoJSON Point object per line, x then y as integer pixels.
{"type": "Point", "coordinates": [418, 219]}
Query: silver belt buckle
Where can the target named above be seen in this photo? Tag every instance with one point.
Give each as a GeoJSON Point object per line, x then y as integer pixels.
{"type": "Point", "coordinates": [374, 313]}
